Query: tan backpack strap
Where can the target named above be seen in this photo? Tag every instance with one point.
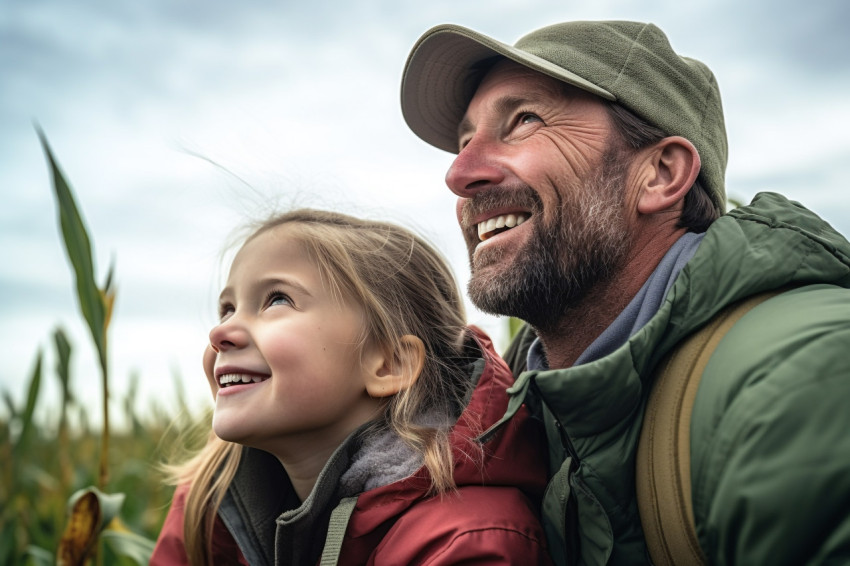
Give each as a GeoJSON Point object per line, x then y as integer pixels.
{"type": "Point", "coordinates": [336, 531]}
{"type": "Point", "coordinates": [663, 465]}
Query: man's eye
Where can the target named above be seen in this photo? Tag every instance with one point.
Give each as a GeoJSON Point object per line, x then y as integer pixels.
{"type": "Point", "coordinates": [528, 117]}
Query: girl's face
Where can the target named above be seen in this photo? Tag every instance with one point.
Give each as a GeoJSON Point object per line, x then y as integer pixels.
{"type": "Point", "coordinates": [283, 363]}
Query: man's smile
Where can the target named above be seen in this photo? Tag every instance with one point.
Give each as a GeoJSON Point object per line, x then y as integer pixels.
{"type": "Point", "coordinates": [497, 224]}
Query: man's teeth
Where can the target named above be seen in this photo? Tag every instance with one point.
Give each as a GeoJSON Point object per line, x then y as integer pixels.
{"type": "Point", "coordinates": [237, 378]}
{"type": "Point", "coordinates": [488, 228]}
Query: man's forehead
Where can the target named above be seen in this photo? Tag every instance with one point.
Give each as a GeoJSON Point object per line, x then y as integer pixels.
{"type": "Point", "coordinates": [511, 85]}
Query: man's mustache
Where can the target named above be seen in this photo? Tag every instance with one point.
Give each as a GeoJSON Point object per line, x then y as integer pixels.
{"type": "Point", "coordinates": [520, 196]}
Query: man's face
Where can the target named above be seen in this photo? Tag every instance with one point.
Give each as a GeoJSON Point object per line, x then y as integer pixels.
{"type": "Point", "coordinates": [541, 195]}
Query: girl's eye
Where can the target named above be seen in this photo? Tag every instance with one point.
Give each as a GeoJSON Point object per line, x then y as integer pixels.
{"type": "Point", "coordinates": [224, 310]}
{"type": "Point", "coordinates": [276, 298]}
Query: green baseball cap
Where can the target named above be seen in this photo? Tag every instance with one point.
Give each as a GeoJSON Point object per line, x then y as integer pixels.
{"type": "Point", "coordinates": [631, 63]}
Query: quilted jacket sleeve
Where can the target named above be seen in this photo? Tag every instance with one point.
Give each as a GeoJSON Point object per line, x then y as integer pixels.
{"type": "Point", "coordinates": [772, 485]}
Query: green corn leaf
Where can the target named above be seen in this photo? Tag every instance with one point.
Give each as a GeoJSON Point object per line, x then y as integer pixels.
{"type": "Point", "coordinates": [39, 557]}
{"type": "Point", "coordinates": [10, 404]}
{"type": "Point", "coordinates": [8, 547]}
{"type": "Point", "coordinates": [63, 360]}
{"type": "Point", "coordinates": [29, 408]}
{"type": "Point", "coordinates": [130, 397]}
{"type": "Point", "coordinates": [95, 303]}
{"type": "Point", "coordinates": [128, 544]}
{"type": "Point", "coordinates": [79, 249]}
{"type": "Point", "coordinates": [107, 286]}
{"type": "Point", "coordinates": [108, 297]}
{"type": "Point", "coordinates": [129, 404]}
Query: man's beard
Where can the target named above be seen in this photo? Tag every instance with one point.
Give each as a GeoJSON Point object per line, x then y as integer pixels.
{"type": "Point", "coordinates": [581, 245]}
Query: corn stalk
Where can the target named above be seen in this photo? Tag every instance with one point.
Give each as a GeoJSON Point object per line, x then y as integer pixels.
{"type": "Point", "coordinates": [95, 302]}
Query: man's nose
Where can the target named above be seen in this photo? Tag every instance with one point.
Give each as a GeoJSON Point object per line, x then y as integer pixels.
{"type": "Point", "coordinates": [477, 167]}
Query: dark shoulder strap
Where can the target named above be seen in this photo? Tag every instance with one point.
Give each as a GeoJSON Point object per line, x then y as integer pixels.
{"type": "Point", "coordinates": [663, 473]}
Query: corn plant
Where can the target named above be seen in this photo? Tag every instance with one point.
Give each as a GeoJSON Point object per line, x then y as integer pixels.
{"type": "Point", "coordinates": [95, 302]}
{"type": "Point", "coordinates": [93, 515]}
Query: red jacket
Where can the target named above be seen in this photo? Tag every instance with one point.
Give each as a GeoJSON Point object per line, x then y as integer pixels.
{"type": "Point", "coordinates": [491, 519]}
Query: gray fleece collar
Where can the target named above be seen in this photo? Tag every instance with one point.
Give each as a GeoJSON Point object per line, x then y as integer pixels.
{"type": "Point", "coordinates": [382, 459]}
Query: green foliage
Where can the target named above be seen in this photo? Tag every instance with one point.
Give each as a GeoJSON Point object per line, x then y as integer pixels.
{"type": "Point", "coordinates": [125, 543]}
{"type": "Point", "coordinates": [78, 247]}
{"type": "Point", "coordinates": [43, 463]}
{"type": "Point", "coordinates": [63, 360]}
{"type": "Point", "coordinates": [514, 326]}
{"type": "Point", "coordinates": [39, 557]}
{"type": "Point", "coordinates": [37, 483]}
{"type": "Point", "coordinates": [29, 409]}
{"type": "Point", "coordinates": [35, 511]}
{"type": "Point", "coordinates": [95, 303]}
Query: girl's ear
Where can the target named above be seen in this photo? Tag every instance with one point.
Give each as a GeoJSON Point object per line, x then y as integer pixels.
{"type": "Point", "coordinates": [669, 170]}
{"type": "Point", "coordinates": [389, 373]}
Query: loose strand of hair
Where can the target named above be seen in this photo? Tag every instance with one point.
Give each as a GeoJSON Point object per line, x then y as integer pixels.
{"type": "Point", "coordinates": [216, 470]}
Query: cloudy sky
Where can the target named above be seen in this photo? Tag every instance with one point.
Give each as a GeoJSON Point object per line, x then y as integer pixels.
{"type": "Point", "coordinates": [176, 122]}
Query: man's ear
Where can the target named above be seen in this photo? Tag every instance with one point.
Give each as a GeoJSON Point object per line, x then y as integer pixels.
{"type": "Point", "coordinates": [668, 171]}
{"type": "Point", "coordinates": [387, 373]}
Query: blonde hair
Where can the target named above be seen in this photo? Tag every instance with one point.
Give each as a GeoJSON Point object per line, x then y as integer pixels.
{"type": "Point", "coordinates": [404, 287]}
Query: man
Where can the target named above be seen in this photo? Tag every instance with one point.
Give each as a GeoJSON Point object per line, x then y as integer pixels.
{"type": "Point", "coordinates": [590, 174]}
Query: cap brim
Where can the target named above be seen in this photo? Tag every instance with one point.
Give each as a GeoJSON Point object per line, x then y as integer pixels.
{"type": "Point", "coordinates": [437, 83]}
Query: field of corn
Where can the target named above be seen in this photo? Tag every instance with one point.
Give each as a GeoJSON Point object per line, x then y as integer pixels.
{"type": "Point", "coordinates": [43, 467]}
{"type": "Point", "coordinates": [71, 494]}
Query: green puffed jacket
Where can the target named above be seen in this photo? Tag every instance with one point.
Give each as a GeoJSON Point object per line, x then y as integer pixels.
{"type": "Point", "coordinates": [770, 430]}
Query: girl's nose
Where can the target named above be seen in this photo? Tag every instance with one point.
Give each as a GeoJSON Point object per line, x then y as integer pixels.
{"type": "Point", "coordinates": [228, 335]}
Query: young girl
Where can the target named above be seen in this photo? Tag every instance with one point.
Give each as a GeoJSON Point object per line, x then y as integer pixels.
{"type": "Point", "coordinates": [348, 398]}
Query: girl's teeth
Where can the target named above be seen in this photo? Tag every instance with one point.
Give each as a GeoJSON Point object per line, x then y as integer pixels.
{"type": "Point", "coordinates": [229, 379]}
